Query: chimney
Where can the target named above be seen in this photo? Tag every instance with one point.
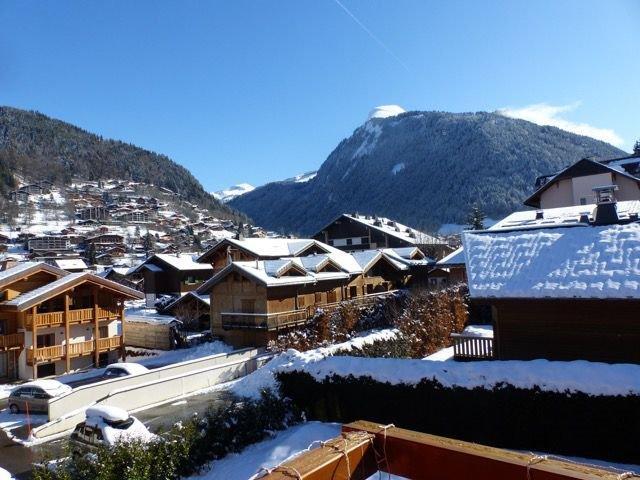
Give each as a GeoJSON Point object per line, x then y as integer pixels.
{"type": "Point", "coordinates": [606, 211]}
{"type": "Point", "coordinates": [539, 214]}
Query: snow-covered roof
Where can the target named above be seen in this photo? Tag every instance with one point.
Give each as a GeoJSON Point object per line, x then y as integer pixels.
{"type": "Point", "coordinates": [394, 229]}
{"type": "Point", "coordinates": [562, 216]}
{"type": "Point", "coordinates": [25, 268]}
{"type": "Point", "coordinates": [33, 297]}
{"type": "Point", "coordinates": [193, 294]}
{"type": "Point", "coordinates": [269, 247]}
{"type": "Point", "coordinates": [454, 258]}
{"type": "Point", "coordinates": [183, 262]}
{"type": "Point", "coordinates": [575, 262]}
{"type": "Point", "coordinates": [70, 263]}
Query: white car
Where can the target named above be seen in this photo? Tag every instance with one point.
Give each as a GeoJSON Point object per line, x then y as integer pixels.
{"type": "Point", "coordinates": [4, 475]}
{"type": "Point", "coordinates": [116, 370]}
{"type": "Point", "coordinates": [105, 426]}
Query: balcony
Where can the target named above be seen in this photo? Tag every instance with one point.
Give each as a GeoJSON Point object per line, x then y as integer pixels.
{"type": "Point", "coordinates": [81, 315]}
{"type": "Point", "coordinates": [75, 349]}
{"type": "Point", "coordinates": [264, 321]}
{"type": "Point", "coordinates": [11, 341]}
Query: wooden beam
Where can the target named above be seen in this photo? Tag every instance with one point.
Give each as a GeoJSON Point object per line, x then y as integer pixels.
{"type": "Point", "coordinates": [347, 457]}
{"type": "Point", "coordinates": [65, 317]}
{"type": "Point", "coordinates": [34, 340]}
{"type": "Point", "coordinates": [419, 455]}
{"type": "Point", "coordinates": [96, 328]}
{"type": "Point", "coordinates": [124, 350]}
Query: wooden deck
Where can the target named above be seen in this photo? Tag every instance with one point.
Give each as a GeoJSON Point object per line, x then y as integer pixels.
{"type": "Point", "coordinates": [471, 347]}
{"type": "Point", "coordinates": [81, 315]}
{"type": "Point", "coordinates": [76, 349]}
{"type": "Point", "coordinates": [365, 448]}
{"type": "Point", "coordinates": [11, 341]}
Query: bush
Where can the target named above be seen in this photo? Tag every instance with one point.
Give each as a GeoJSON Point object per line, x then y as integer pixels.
{"type": "Point", "coordinates": [186, 448]}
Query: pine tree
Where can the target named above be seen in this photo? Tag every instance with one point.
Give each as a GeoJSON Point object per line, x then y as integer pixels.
{"type": "Point", "coordinates": [475, 219]}
{"type": "Point", "coordinates": [149, 242]}
{"type": "Point", "coordinates": [636, 148]}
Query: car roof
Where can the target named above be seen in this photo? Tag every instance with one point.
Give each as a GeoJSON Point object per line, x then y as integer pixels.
{"type": "Point", "coordinates": [53, 387]}
{"type": "Point", "coordinates": [112, 414]}
{"type": "Point", "coordinates": [130, 368]}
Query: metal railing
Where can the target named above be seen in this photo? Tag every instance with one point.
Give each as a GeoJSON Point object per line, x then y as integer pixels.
{"type": "Point", "coordinates": [470, 347]}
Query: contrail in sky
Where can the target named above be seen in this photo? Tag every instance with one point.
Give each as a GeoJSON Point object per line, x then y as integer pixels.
{"type": "Point", "coordinates": [372, 35]}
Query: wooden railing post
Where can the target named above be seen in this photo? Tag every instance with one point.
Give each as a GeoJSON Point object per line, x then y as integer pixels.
{"type": "Point", "coordinates": [66, 332]}
{"type": "Point", "coordinates": [96, 328]}
{"type": "Point", "coordinates": [34, 341]}
{"type": "Point", "coordinates": [124, 350]}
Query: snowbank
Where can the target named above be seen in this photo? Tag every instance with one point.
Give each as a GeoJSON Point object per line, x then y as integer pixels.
{"type": "Point", "coordinates": [480, 331]}
{"type": "Point", "coordinates": [264, 378]}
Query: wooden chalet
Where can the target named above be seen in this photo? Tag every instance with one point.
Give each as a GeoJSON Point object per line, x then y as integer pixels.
{"type": "Point", "coordinates": [251, 301]}
{"type": "Point", "coordinates": [574, 185]}
{"type": "Point", "coordinates": [93, 213]}
{"type": "Point", "coordinates": [352, 232]}
{"type": "Point", "coordinates": [562, 283]}
{"type": "Point", "coordinates": [449, 270]}
{"type": "Point", "coordinates": [230, 250]}
{"type": "Point", "coordinates": [54, 322]}
{"type": "Point", "coordinates": [171, 274]}
{"type": "Point", "coordinates": [192, 308]}
{"type": "Point", "coordinates": [105, 241]}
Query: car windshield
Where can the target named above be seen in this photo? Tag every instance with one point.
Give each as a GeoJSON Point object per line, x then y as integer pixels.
{"type": "Point", "coordinates": [120, 424]}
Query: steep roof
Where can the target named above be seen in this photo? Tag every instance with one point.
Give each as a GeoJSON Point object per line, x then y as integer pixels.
{"type": "Point", "coordinates": [392, 228]}
{"type": "Point", "coordinates": [265, 248]}
{"type": "Point", "coordinates": [455, 258]}
{"type": "Point", "coordinates": [25, 269]}
{"type": "Point", "coordinates": [570, 262]}
{"type": "Point", "coordinates": [182, 262]}
{"type": "Point", "coordinates": [71, 280]}
{"type": "Point", "coordinates": [581, 168]}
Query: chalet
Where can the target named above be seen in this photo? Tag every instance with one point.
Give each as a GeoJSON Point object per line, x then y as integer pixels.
{"type": "Point", "coordinates": [561, 283]}
{"type": "Point", "coordinates": [68, 264]}
{"type": "Point", "coordinates": [105, 241]}
{"type": "Point", "coordinates": [53, 322]}
{"type": "Point", "coordinates": [19, 195]}
{"type": "Point", "coordinates": [228, 249]}
{"type": "Point", "coordinates": [352, 232]}
{"type": "Point", "coordinates": [171, 274]}
{"type": "Point", "coordinates": [449, 270]}
{"type": "Point", "coordinates": [49, 243]}
{"type": "Point", "coordinates": [192, 309]}
{"type": "Point", "coordinates": [574, 185]}
{"type": "Point", "coordinates": [251, 301]}
{"type": "Point", "coordinates": [93, 213]}
{"type": "Point", "coordinates": [134, 216]}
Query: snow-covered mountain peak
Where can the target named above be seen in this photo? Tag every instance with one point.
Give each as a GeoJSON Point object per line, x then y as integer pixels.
{"type": "Point", "coordinates": [385, 111]}
{"type": "Point", "coordinates": [232, 192]}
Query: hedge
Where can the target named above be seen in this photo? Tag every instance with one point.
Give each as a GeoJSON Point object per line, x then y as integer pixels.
{"type": "Point", "coordinates": [603, 427]}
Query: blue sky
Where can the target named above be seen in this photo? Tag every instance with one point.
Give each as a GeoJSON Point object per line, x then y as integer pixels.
{"type": "Point", "coordinates": [255, 91]}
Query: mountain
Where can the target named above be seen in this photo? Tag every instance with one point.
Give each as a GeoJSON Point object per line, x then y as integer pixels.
{"type": "Point", "coordinates": [232, 192]}
{"type": "Point", "coordinates": [37, 147]}
{"type": "Point", "coordinates": [423, 169]}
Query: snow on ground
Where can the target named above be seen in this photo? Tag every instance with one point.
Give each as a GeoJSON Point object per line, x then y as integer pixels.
{"type": "Point", "coordinates": [166, 357]}
{"type": "Point", "coordinates": [263, 378]}
{"type": "Point", "coordinates": [140, 313]}
{"type": "Point", "coordinates": [271, 452]}
{"type": "Point", "coordinates": [444, 355]}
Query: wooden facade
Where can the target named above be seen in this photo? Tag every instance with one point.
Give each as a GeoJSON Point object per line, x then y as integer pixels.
{"type": "Point", "coordinates": [566, 329]}
{"type": "Point", "coordinates": [53, 322]}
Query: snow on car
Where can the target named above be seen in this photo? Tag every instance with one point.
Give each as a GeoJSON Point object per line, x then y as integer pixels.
{"type": "Point", "coordinates": [4, 475]}
{"type": "Point", "coordinates": [34, 396]}
{"type": "Point", "coordinates": [105, 426]}
{"type": "Point", "coordinates": [116, 370]}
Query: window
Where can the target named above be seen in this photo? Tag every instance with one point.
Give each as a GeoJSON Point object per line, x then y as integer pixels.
{"type": "Point", "coordinates": [349, 241]}
{"type": "Point", "coordinates": [583, 201]}
{"type": "Point", "coordinates": [353, 292]}
{"type": "Point", "coordinates": [103, 331]}
{"type": "Point", "coordinates": [46, 340]}
{"type": "Point", "coordinates": [318, 297]}
{"type": "Point", "coordinates": [190, 280]}
{"type": "Point", "coordinates": [369, 288]}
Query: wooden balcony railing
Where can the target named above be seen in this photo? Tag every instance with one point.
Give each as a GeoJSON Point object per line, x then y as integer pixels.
{"type": "Point", "coordinates": [45, 354]}
{"type": "Point", "coordinates": [75, 349]}
{"type": "Point", "coordinates": [12, 340]}
{"type": "Point", "coordinates": [362, 301]}
{"type": "Point", "coordinates": [469, 347]}
{"type": "Point", "coordinates": [109, 343]}
{"type": "Point", "coordinates": [264, 321]}
{"type": "Point", "coordinates": [80, 315]}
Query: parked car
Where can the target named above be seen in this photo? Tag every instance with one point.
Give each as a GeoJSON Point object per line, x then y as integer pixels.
{"type": "Point", "coordinates": [116, 370]}
{"type": "Point", "coordinates": [34, 396]}
{"type": "Point", "coordinates": [104, 426]}
{"type": "Point", "coordinates": [5, 475]}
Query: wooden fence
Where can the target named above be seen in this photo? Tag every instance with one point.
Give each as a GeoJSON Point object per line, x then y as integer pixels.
{"type": "Point", "coordinates": [156, 336]}
{"type": "Point", "coordinates": [470, 347]}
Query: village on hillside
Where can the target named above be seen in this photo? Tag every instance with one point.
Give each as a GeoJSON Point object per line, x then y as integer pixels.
{"type": "Point", "coordinates": [130, 317]}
